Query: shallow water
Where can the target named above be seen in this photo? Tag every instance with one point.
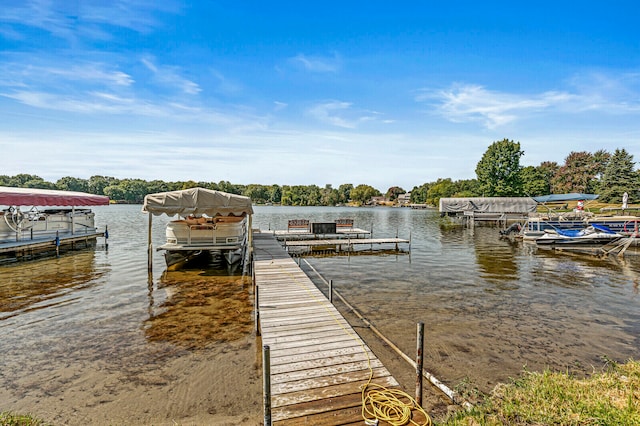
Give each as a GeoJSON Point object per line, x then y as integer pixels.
{"type": "Point", "coordinates": [491, 306]}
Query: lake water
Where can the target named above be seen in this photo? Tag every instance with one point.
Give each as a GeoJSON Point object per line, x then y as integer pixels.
{"type": "Point", "coordinates": [491, 306]}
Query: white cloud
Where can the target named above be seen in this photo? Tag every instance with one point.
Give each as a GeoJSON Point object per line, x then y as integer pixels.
{"type": "Point", "coordinates": [463, 103]}
{"type": "Point", "coordinates": [280, 105]}
{"type": "Point", "coordinates": [170, 77]}
{"type": "Point", "coordinates": [94, 19]}
{"type": "Point", "coordinates": [591, 91]}
{"type": "Point", "coordinates": [341, 114]}
{"type": "Point", "coordinates": [326, 113]}
{"type": "Point", "coordinates": [319, 64]}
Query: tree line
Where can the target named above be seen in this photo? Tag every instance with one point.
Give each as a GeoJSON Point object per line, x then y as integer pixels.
{"type": "Point", "coordinates": [498, 174]}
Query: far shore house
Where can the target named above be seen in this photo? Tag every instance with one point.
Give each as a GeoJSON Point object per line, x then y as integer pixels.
{"type": "Point", "coordinates": [404, 199]}
{"type": "Point", "coordinates": [376, 201]}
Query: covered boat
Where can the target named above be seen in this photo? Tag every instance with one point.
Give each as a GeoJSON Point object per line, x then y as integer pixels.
{"type": "Point", "coordinates": [26, 217]}
{"type": "Point", "coordinates": [209, 222]}
{"type": "Point", "coordinates": [593, 234]}
{"type": "Point", "coordinates": [537, 225]}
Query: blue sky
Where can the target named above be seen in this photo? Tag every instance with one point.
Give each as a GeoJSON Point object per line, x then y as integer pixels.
{"type": "Point", "coordinates": [377, 92]}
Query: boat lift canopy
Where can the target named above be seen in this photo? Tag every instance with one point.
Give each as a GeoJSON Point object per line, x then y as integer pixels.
{"type": "Point", "coordinates": [197, 201]}
{"type": "Point", "coordinates": [559, 198]}
{"type": "Point", "coordinates": [10, 196]}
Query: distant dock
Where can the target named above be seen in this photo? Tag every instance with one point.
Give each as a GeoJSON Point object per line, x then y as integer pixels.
{"type": "Point", "coordinates": [25, 249]}
{"type": "Point", "coordinates": [301, 236]}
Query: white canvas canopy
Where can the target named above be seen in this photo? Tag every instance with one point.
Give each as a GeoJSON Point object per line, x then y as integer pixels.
{"type": "Point", "coordinates": [197, 201]}
{"type": "Point", "coordinates": [488, 205]}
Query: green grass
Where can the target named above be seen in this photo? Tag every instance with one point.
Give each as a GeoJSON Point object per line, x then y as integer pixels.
{"type": "Point", "coordinates": [11, 419]}
{"type": "Point", "coordinates": [549, 398]}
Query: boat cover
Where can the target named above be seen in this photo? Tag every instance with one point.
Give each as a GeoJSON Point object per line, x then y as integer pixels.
{"type": "Point", "coordinates": [559, 198]}
{"type": "Point", "coordinates": [488, 205]}
{"type": "Point", "coordinates": [197, 201]}
{"type": "Point", "coordinates": [10, 196]}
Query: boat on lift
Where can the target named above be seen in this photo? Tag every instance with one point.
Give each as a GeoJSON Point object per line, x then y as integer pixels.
{"type": "Point", "coordinates": [39, 220]}
{"type": "Point", "coordinates": [591, 235]}
{"type": "Point", "coordinates": [210, 223]}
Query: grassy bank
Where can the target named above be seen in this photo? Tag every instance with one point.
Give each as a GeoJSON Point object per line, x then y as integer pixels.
{"type": "Point", "coordinates": [11, 419]}
{"type": "Point", "coordinates": [608, 398]}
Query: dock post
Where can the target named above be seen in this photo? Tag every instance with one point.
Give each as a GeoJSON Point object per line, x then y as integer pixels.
{"type": "Point", "coordinates": [150, 247]}
{"type": "Point", "coordinates": [256, 310]}
{"type": "Point", "coordinates": [106, 237]}
{"type": "Point", "coordinates": [419, 361]}
{"type": "Point", "coordinates": [266, 380]}
{"type": "Point", "coordinates": [331, 291]}
{"type": "Point", "coordinates": [57, 243]}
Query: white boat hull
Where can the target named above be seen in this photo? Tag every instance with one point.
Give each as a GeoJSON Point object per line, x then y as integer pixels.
{"type": "Point", "coordinates": [32, 225]}
{"type": "Point", "coordinates": [222, 238]}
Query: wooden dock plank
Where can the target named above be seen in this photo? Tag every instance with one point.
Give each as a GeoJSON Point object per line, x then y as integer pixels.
{"type": "Point", "coordinates": [327, 392]}
{"type": "Point", "coordinates": [313, 369]}
{"type": "Point", "coordinates": [292, 365]}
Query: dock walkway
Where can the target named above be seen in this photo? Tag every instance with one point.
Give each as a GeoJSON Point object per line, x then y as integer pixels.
{"type": "Point", "coordinates": [39, 244]}
{"type": "Point", "coordinates": [319, 364]}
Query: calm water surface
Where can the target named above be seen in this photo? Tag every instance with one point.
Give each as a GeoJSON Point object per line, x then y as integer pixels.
{"type": "Point", "coordinates": [490, 306]}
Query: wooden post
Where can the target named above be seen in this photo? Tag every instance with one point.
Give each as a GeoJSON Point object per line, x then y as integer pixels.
{"type": "Point", "coordinates": [150, 247]}
{"type": "Point", "coordinates": [256, 311]}
{"type": "Point", "coordinates": [331, 291]}
{"type": "Point", "coordinates": [419, 360]}
{"type": "Point", "coordinates": [266, 380]}
{"type": "Point", "coordinates": [57, 243]}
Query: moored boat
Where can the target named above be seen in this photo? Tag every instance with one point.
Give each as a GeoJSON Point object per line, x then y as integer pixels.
{"type": "Point", "coordinates": [591, 235]}
{"type": "Point", "coordinates": [25, 218]}
{"type": "Point", "coordinates": [210, 223]}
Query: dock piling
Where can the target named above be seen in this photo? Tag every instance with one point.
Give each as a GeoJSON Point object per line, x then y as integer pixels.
{"type": "Point", "coordinates": [266, 376]}
{"type": "Point", "coordinates": [419, 361]}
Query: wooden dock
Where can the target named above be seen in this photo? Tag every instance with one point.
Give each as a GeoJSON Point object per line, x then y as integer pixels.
{"type": "Point", "coordinates": [342, 242]}
{"type": "Point", "coordinates": [319, 364]}
{"type": "Point", "coordinates": [294, 234]}
{"type": "Point", "coordinates": [30, 247]}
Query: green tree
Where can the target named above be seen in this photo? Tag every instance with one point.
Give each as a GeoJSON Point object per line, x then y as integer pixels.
{"type": "Point", "coordinates": [578, 174]}
{"type": "Point", "coordinates": [499, 170]}
{"type": "Point", "coordinates": [275, 193]}
{"type": "Point", "coordinates": [363, 193]}
{"type": "Point", "coordinates": [442, 188]}
{"type": "Point", "coordinates": [257, 193]}
{"type": "Point", "coordinates": [97, 184]}
{"type": "Point", "coordinates": [69, 183]}
{"type": "Point", "coordinates": [419, 193]}
{"type": "Point", "coordinates": [344, 192]}
{"type": "Point", "coordinates": [467, 188]}
{"type": "Point", "coordinates": [619, 177]}
{"type": "Point", "coordinates": [393, 192]}
{"type": "Point", "coordinates": [534, 181]}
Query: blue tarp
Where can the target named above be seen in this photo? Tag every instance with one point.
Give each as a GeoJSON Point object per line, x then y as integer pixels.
{"type": "Point", "coordinates": [559, 198]}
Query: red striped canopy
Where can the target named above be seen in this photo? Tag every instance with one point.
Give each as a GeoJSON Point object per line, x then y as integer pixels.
{"type": "Point", "coordinates": [10, 196]}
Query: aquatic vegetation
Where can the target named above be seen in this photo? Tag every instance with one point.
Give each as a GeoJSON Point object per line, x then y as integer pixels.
{"type": "Point", "coordinates": [11, 419]}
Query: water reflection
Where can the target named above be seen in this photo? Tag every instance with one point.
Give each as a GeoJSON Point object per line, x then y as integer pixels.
{"type": "Point", "coordinates": [46, 282]}
{"type": "Point", "coordinates": [496, 258]}
{"type": "Point", "coordinates": [201, 308]}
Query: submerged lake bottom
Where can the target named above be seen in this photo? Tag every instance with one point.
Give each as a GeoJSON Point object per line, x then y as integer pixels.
{"type": "Point", "coordinates": [91, 337]}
